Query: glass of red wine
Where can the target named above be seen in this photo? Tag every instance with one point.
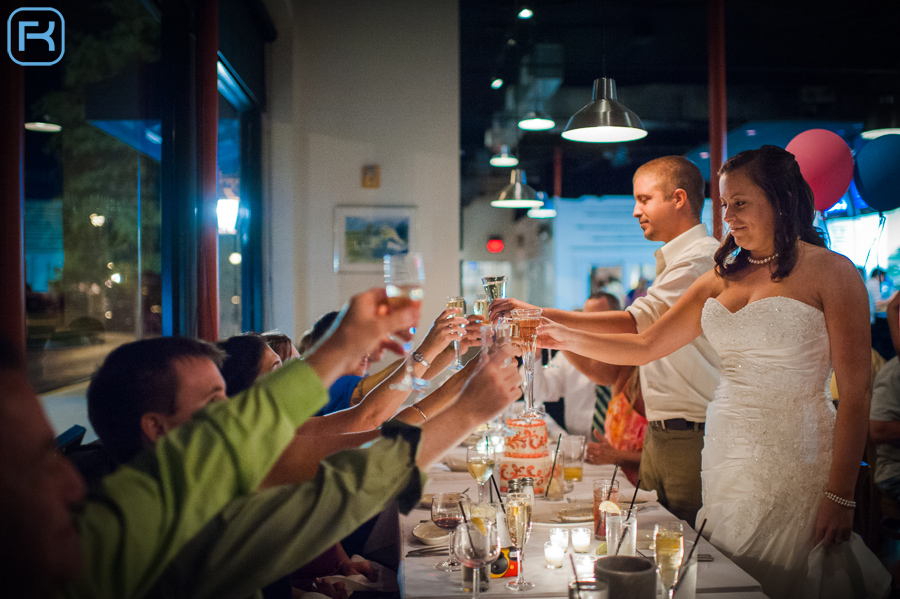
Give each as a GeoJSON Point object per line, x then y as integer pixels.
{"type": "Point", "coordinates": [447, 513]}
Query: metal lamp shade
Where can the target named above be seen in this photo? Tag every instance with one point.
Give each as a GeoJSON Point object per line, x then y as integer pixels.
{"type": "Point", "coordinates": [536, 121]}
{"type": "Point", "coordinates": [504, 158]}
{"type": "Point", "coordinates": [605, 119]}
{"type": "Point", "coordinates": [518, 194]}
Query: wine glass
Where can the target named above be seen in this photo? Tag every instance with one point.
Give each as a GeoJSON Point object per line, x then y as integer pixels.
{"type": "Point", "coordinates": [480, 460]}
{"type": "Point", "coordinates": [528, 322]}
{"type": "Point", "coordinates": [668, 540]}
{"type": "Point", "coordinates": [518, 519]}
{"type": "Point", "coordinates": [404, 275]}
{"type": "Point", "coordinates": [457, 302]}
{"type": "Point", "coordinates": [475, 545]}
{"type": "Point", "coordinates": [447, 513]}
{"type": "Point", "coordinates": [494, 287]}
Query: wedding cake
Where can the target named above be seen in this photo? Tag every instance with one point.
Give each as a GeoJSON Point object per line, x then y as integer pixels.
{"type": "Point", "coordinates": [525, 453]}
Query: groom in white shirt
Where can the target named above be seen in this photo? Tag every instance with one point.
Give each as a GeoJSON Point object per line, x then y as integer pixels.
{"type": "Point", "coordinates": [669, 198]}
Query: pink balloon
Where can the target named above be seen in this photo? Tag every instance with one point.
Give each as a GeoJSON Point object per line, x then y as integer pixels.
{"type": "Point", "coordinates": [825, 162]}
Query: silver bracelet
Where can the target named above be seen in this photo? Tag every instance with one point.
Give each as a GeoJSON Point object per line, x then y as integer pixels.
{"type": "Point", "coordinates": [840, 500]}
{"type": "Point", "coordinates": [424, 417]}
{"type": "Point", "coordinates": [417, 357]}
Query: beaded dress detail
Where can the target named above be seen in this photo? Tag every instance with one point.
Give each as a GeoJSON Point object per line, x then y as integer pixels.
{"type": "Point", "coordinates": [768, 444]}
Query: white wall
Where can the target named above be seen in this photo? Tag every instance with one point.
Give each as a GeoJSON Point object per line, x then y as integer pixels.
{"type": "Point", "coordinates": [354, 83]}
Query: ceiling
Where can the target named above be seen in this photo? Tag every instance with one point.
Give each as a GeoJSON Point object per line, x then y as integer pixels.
{"type": "Point", "coordinates": [785, 60]}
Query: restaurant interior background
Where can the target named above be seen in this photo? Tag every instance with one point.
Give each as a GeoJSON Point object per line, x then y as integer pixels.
{"type": "Point", "coordinates": [313, 91]}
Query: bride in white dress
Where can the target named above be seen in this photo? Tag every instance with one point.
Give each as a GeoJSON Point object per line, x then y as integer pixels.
{"type": "Point", "coordinates": [779, 464]}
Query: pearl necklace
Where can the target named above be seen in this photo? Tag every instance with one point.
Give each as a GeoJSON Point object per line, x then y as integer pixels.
{"type": "Point", "coordinates": [763, 260]}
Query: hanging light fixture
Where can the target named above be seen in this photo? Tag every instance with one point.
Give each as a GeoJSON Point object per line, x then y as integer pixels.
{"type": "Point", "coordinates": [537, 120]}
{"type": "Point", "coordinates": [605, 119]}
{"type": "Point", "coordinates": [545, 211]}
{"type": "Point", "coordinates": [504, 158]}
{"type": "Point", "coordinates": [518, 194]}
{"type": "Point", "coordinates": [884, 119]}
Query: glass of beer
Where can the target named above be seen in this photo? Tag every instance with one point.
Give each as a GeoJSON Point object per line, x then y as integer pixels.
{"type": "Point", "coordinates": [573, 449]}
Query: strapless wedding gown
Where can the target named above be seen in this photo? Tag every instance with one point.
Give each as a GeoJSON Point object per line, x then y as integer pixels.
{"type": "Point", "coordinates": [768, 445]}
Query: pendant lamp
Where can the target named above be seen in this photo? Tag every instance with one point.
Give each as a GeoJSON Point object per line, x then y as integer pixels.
{"type": "Point", "coordinates": [518, 194]}
{"type": "Point", "coordinates": [545, 211]}
{"type": "Point", "coordinates": [537, 120]}
{"type": "Point", "coordinates": [605, 119]}
{"type": "Point", "coordinates": [504, 158]}
{"type": "Point", "coordinates": [884, 119]}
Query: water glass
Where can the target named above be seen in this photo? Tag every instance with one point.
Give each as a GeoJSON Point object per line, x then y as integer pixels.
{"type": "Point", "coordinates": [588, 589]}
{"type": "Point", "coordinates": [475, 545]}
{"type": "Point", "coordinates": [621, 533]}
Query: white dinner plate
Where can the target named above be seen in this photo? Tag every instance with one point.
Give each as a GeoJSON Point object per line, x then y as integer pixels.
{"type": "Point", "coordinates": [430, 534]}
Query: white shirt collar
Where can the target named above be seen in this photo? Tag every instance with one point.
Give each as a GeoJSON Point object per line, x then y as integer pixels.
{"type": "Point", "coordinates": [669, 251]}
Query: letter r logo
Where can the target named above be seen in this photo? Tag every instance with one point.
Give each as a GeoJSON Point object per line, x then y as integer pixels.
{"type": "Point", "coordinates": [36, 36]}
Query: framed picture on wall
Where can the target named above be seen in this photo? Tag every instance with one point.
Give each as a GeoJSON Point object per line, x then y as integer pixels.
{"type": "Point", "coordinates": [364, 234]}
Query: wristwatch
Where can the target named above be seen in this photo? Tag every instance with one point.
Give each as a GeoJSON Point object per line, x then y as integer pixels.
{"type": "Point", "coordinates": [417, 357]}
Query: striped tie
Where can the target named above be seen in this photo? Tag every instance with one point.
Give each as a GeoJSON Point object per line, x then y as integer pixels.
{"type": "Point", "coordinates": [603, 394]}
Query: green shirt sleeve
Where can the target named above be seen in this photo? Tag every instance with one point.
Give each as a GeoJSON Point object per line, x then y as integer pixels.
{"type": "Point", "coordinates": [146, 511]}
{"type": "Point", "coordinates": [258, 539]}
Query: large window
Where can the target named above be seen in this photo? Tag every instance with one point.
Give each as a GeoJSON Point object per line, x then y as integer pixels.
{"type": "Point", "coordinates": [92, 192]}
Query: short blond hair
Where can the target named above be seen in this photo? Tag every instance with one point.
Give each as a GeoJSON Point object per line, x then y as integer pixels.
{"type": "Point", "coordinates": [677, 172]}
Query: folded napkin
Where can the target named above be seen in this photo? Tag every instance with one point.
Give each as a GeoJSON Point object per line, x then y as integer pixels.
{"type": "Point", "coordinates": [643, 496]}
{"type": "Point", "coordinates": [455, 460]}
{"type": "Point", "coordinates": [386, 581]}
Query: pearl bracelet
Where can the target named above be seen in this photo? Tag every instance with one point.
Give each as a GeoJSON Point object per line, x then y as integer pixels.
{"type": "Point", "coordinates": [840, 500]}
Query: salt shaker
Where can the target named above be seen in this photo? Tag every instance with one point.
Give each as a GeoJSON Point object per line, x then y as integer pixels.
{"type": "Point", "coordinates": [527, 483]}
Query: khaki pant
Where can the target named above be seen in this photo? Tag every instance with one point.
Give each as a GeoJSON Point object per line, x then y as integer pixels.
{"type": "Point", "coordinates": [670, 465]}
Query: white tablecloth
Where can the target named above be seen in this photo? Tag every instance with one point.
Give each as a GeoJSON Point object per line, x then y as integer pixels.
{"type": "Point", "coordinates": [420, 580]}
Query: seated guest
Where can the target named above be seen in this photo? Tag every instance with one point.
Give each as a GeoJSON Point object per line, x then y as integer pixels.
{"type": "Point", "coordinates": [282, 345]}
{"type": "Point", "coordinates": [884, 428]}
{"type": "Point", "coordinates": [144, 514]}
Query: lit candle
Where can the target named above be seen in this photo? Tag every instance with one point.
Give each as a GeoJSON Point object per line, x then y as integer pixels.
{"type": "Point", "coordinates": [581, 539]}
{"type": "Point", "coordinates": [560, 536]}
{"type": "Point", "coordinates": [584, 567]}
{"type": "Point", "coordinates": [553, 553]}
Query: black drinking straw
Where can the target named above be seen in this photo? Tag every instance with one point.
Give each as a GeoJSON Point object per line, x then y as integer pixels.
{"type": "Point", "coordinates": [628, 515]}
{"type": "Point", "coordinates": [608, 495]}
{"type": "Point", "coordinates": [553, 467]}
{"type": "Point", "coordinates": [688, 560]}
{"type": "Point", "coordinates": [499, 496]}
{"type": "Point", "coordinates": [465, 521]}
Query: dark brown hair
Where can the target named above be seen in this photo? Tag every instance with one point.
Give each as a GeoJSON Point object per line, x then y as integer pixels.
{"type": "Point", "coordinates": [134, 379]}
{"type": "Point", "coordinates": [776, 172]}
{"type": "Point", "coordinates": [243, 354]}
{"type": "Point", "coordinates": [280, 343]}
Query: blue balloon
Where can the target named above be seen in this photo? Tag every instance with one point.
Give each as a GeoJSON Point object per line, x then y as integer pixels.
{"type": "Point", "coordinates": [876, 172]}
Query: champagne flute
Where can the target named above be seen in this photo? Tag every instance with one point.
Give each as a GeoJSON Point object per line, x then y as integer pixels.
{"type": "Point", "coordinates": [446, 513]}
{"type": "Point", "coordinates": [475, 545]}
{"type": "Point", "coordinates": [668, 540]}
{"type": "Point", "coordinates": [482, 306]}
{"type": "Point", "coordinates": [518, 519]}
{"type": "Point", "coordinates": [404, 275]}
{"type": "Point", "coordinates": [528, 322]}
{"type": "Point", "coordinates": [457, 302]}
{"type": "Point", "coordinates": [480, 460]}
{"type": "Point", "coordinates": [494, 287]}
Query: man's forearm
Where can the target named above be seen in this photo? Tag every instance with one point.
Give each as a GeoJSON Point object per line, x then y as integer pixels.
{"type": "Point", "coordinates": [885, 432]}
{"type": "Point", "coordinates": [600, 373]}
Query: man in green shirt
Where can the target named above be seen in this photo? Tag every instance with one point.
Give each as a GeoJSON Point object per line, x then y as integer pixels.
{"type": "Point", "coordinates": [149, 510]}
